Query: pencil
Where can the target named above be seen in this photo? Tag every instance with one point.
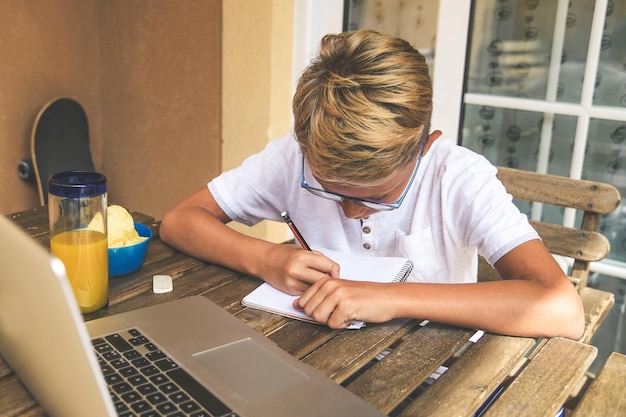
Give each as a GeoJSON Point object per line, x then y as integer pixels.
{"type": "Point", "coordinates": [295, 230]}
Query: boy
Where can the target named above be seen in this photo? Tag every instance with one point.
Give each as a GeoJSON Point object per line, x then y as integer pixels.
{"type": "Point", "coordinates": [362, 173]}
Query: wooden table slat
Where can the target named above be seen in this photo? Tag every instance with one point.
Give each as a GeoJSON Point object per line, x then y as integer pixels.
{"type": "Point", "coordinates": [229, 294]}
{"type": "Point", "coordinates": [469, 381]}
{"type": "Point", "coordinates": [37, 215]}
{"type": "Point", "coordinates": [131, 285]}
{"type": "Point", "coordinates": [540, 391]}
{"type": "Point", "coordinates": [20, 402]}
{"type": "Point", "coordinates": [300, 338]}
{"type": "Point", "coordinates": [183, 286]}
{"type": "Point", "coordinates": [263, 321]}
{"type": "Point", "coordinates": [597, 305]}
{"type": "Point", "coordinates": [409, 364]}
{"type": "Point", "coordinates": [606, 396]}
{"type": "Point", "coordinates": [347, 352]}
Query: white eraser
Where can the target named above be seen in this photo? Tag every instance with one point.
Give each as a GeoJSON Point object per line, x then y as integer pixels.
{"type": "Point", "coordinates": [162, 284]}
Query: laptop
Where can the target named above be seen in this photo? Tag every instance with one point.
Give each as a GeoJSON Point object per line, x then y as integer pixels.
{"type": "Point", "coordinates": [184, 357]}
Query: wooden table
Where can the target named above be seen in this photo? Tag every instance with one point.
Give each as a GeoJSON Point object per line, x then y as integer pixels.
{"type": "Point", "coordinates": [535, 378]}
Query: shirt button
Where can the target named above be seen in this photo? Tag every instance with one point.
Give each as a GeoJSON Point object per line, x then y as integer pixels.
{"type": "Point", "coordinates": [367, 246]}
{"type": "Point", "coordinates": [366, 229]}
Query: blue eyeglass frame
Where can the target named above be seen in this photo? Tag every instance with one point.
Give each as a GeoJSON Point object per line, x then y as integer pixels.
{"type": "Point", "coordinates": [375, 205]}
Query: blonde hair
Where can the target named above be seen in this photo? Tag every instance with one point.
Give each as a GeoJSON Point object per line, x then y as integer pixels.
{"type": "Point", "coordinates": [363, 107]}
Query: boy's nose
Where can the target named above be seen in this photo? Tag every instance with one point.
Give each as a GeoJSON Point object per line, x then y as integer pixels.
{"type": "Point", "coordinates": [353, 210]}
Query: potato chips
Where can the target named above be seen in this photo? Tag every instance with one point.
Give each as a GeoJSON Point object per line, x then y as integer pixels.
{"type": "Point", "coordinates": [121, 228]}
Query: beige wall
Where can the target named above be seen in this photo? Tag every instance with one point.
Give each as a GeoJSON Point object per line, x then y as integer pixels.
{"type": "Point", "coordinates": [165, 115]}
{"type": "Point", "coordinates": [257, 59]}
{"type": "Point", "coordinates": [147, 72]}
{"type": "Point", "coordinates": [49, 49]}
{"type": "Point", "coordinates": [161, 97]}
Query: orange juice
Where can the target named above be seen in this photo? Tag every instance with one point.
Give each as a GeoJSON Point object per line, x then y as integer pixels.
{"type": "Point", "coordinates": [85, 256]}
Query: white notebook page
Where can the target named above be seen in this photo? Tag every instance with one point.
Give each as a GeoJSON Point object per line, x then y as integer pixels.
{"type": "Point", "coordinates": [352, 267]}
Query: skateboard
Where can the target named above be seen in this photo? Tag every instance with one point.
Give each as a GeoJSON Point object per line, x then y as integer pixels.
{"type": "Point", "coordinates": [59, 142]}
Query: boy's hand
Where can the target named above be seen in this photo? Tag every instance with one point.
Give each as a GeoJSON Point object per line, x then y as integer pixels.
{"type": "Point", "coordinates": [336, 302]}
{"type": "Point", "coordinates": [293, 270]}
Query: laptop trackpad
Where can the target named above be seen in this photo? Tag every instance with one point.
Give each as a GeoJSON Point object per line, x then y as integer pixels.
{"type": "Point", "coordinates": [250, 369]}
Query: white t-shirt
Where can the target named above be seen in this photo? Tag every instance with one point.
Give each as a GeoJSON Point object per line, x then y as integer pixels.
{"type": "Point", "coordinates": [455, 208]}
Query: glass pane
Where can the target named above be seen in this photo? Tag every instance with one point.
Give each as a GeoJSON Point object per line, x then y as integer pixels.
{"type": "Point", "coordinates": [575, 49]}
{"type": "Point", "coordinates": [511, 137]}
{"type": "Point", "coordinates": [510, 49]}
{"type": "Point", "coordinates": [611, 79]}
{"type": "Point", "coordinates": [413, 20]}
{"type": "Point", "coordinates": [505, 137]}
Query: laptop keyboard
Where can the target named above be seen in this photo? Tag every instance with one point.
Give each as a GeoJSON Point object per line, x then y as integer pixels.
{"type": "Point", "coordinates": [145, 382]}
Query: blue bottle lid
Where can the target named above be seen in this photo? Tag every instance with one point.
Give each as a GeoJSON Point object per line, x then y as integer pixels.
{"type": "Point", "coordinates": [77, 184]}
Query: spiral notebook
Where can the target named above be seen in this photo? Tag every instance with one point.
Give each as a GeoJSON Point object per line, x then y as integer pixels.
{"type": "Point", "coordinates": [352, 267]}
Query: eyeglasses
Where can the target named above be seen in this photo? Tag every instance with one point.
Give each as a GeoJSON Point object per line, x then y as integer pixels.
{"type": "Point", "coordinates": [374, 205]}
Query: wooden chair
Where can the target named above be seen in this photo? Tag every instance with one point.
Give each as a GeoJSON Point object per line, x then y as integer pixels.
{"type": "Point", "coordinates": [583, 244]}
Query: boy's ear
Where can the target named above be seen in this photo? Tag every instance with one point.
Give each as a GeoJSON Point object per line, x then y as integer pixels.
{"type": "Point", "coordinates": [436, 134]}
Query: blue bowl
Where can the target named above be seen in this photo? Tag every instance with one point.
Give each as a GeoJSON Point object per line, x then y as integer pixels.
{"type": "Point", "coordinates": [128, 259]}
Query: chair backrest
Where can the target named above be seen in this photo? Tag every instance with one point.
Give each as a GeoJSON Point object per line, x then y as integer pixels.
{"type": "Point", "coordinates": [584, 244]}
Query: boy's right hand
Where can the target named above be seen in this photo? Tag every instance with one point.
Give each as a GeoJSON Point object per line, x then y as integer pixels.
{"type": "Point", "coordinates": [292, 269]}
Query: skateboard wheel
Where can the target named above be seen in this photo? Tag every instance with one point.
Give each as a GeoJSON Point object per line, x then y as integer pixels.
{"type": "Point", "coordinates": [25, 169]}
